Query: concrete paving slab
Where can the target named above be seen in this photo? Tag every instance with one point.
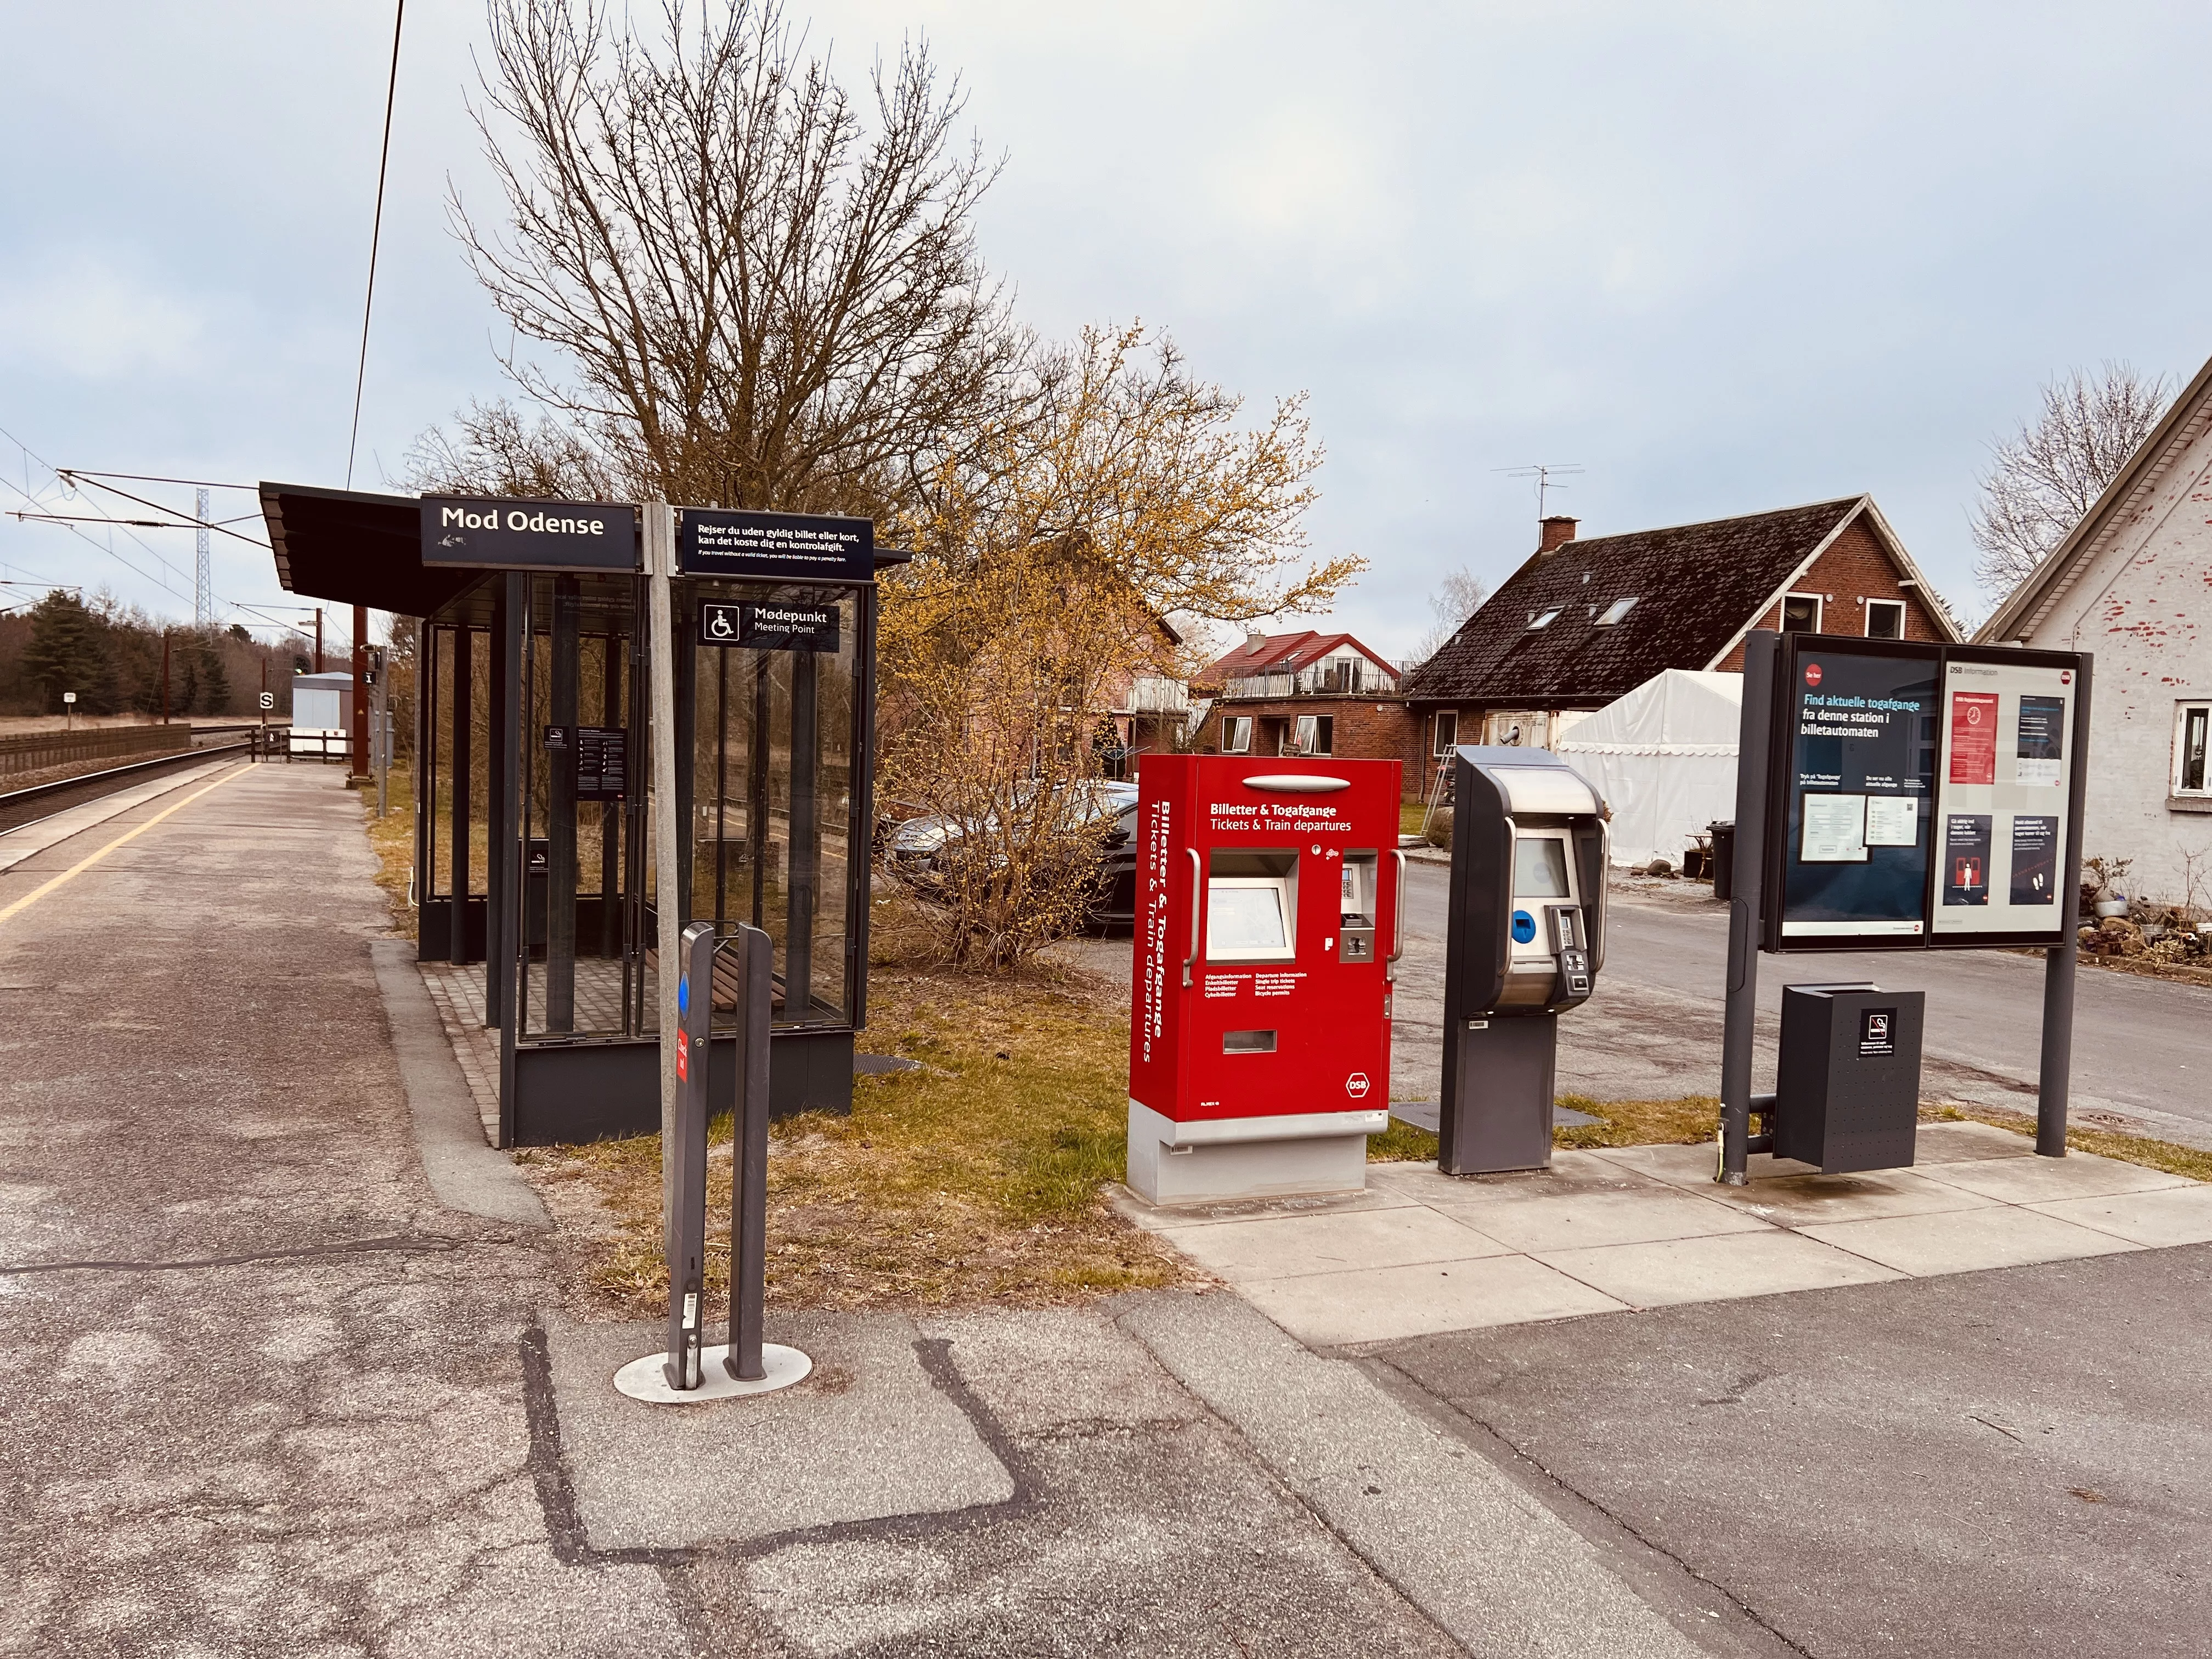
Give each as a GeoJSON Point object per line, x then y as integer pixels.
{"type": "Point", "coordinates": [1571, 1171]}
{"type": "Point", "coordinates": [1287, 1247]}
{"type": "Point", "coordinates": [1667, 1270]}
{"type": "Point", "coordinates": [1539, 1221]}
{"type": "Point", "coordinates": [1966, 1241]}
{"type": "Point", "coordinates": [1488, 1563]}
{"type": "Point", "coordinates": [1385, 1304]}
{"type": "Point", "coordinates": [1805, 1200]}
{"type": "Point", "coordinates": [1961, 1143]}
{"type": "Point", "coordinates": [2032, 1179]}
{"type": "Point", "coordinates": [2165, 1217]}
{"type": "Point", "coordinates": [1693, 1166]}
{"type": "Point", "coordinates": [811, 1455]}
{"type": "Point", "coordinates": [1156, 1217]}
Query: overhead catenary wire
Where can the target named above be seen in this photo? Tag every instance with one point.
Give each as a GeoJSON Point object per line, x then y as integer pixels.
{"type": "Point", "coordinates": [375, 235]}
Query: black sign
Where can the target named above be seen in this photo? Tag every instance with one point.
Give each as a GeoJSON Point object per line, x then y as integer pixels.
{"type": "Point", "coordinates": [780, 625]}
{"type": "Point", "coordinates": [505, 534]}
{"type": "Point", "coordinates": [1860, 739]}
{"type": "Point", "coordinates": [1877, 1032]}
{"type": "Point", "coordinates": [602, 755]}
{"type": "Point", "coordinates": [785, 546]}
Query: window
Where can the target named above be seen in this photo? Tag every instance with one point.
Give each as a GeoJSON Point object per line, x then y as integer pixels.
{"type": "Point", "coordinates": [1613, 612]}
{"type": "Point", "coordinates": [1800, 613]}
{"type": "Point", "coordinates": [1447, 731]}
{"type": "Point", "coordinates": [1312, 734]}
{"type": "Point", "coordinates": [2192, 725]}
{"type": "Point", "coordinates": [1543, 619]}
{"type": "Point", "coordinates": [1885, 619]}
{"type": "Point", "coordinates": [1237, 735]}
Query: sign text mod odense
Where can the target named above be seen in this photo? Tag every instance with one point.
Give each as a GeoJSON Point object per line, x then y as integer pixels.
{"type": "Point", "coordinates": [503, 533]}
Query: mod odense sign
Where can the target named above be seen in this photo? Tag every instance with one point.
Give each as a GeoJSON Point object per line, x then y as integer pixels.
{"type": "Point", "coordinates": [782, 546]}
{"type": "Point", "coordinates": [504, 534]}
{"type": "Point", "coordinates": [779, 625]}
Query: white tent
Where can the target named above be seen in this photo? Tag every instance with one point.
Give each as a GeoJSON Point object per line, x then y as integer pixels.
{"type": "Point", "coordinates": [1663, 757]}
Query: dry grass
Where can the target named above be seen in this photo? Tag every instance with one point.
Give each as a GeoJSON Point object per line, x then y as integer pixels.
{"type": "Point", "coordinates": [391, 838]}
{"type": "Point", "coordinates": [1692, 1119]}
{"type": "Point", "coordinates": [974, 1179]}
{"type": "Point", "coordinates": [2166, 1155]}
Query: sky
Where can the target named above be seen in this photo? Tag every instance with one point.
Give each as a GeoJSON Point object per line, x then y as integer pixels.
{"type": "Point", "coordinates": [1723, 258]}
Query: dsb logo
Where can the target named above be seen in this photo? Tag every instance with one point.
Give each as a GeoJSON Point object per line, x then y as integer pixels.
{"type": "Point", "coordinates": [1356, 1085]}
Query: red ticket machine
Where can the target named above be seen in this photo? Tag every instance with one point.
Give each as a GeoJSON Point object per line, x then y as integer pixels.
{"type": "Point", "coordinates": [1269, 892]}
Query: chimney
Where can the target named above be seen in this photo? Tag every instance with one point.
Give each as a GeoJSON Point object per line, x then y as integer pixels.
{"type": "Point", "coordinates": [1554, 533]}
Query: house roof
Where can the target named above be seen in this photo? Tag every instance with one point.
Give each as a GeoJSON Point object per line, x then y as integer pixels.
{"type": "Point", "coordinates": [1284, 653]}
{"type": "Point", "coordinates": [1698, 588]}
{"type": "Point", "coordinates": [2027, 606]}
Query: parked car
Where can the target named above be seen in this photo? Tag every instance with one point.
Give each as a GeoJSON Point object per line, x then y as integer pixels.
{"type": "Point", "coordinates": [913, 850]}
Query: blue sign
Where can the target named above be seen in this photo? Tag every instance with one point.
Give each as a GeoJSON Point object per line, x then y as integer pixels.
{"type": "Point", "coordinates": [1524, 926]}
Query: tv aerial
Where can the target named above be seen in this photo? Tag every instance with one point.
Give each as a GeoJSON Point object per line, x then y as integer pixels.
{"type": "Point", "coordinates": [1543, 473]}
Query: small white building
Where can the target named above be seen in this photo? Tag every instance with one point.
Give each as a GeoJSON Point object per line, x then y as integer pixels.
{"type": "Point", "coordinates": [320, 715]}
{"type": "Point", "coordinates": [2133, 587]}
{"type": "Point", "coordinates": [1662, 759]}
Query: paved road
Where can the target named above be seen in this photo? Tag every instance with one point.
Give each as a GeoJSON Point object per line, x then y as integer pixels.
{"type": "Point", "coordinates": [1653, 1028]}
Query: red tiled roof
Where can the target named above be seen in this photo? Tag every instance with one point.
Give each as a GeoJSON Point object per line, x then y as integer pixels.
{"type": "Point", "coordinates": [1284, 653]}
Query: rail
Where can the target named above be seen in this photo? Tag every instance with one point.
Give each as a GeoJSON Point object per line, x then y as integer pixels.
{"type": "Point", "coordinates": [119, 775]}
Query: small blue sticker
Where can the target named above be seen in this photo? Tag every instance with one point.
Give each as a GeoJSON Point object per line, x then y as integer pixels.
{"type": "Point", "coordinates": [1524, 926]}
{"type": "Point", "coordinates": [683, 996]}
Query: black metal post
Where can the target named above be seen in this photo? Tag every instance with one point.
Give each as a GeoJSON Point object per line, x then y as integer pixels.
{"type": "Point", "coordinates": [2054, 1074]}
{"type": "Point", "coordinates": [427, 682]}
{"type": "Point", "coordinates": [805, 854]}
{"type": "Point", "coordinates": [464, 693]}
{"type": "Point", "coordinates": [502, 662]}
{"type": "Point", "coordinates": [756, 800]}
{"type": "Point", "coordinates": [755, 963]}
{"type": "Point", "coordinates": [721, 784]}
{"type": "Point", "coordinates": [1746, 876]}
{"type": "Point", "coordinates": [860, 819]}
{"type": "Point", "coordinates": [561, 812]}
{"type": "Point", "coordinates": [508, 867]}
{"type": "Point", "coordinates": [685, 1239]}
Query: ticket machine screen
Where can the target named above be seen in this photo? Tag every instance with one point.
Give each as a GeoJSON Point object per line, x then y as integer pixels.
{"type": "Point", "coordinates": [1539, 867]}
{"type": "Point", "coordinates": [1247, 920]}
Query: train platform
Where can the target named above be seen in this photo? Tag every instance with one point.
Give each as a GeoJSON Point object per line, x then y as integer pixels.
{"type": "Point", "coordinates": [288, 1366]}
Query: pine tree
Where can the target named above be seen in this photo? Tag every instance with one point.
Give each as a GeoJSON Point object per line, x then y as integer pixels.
{"type": "Point", "coordinates": [214, 681]}
{"type": "Point", "coordinates": [68, 651]}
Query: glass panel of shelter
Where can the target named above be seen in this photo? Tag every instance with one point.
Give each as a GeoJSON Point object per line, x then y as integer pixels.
{"type": "Point", "coordinates": [767, 771]}
{"type": "Point", "coordinates": [583, 972]}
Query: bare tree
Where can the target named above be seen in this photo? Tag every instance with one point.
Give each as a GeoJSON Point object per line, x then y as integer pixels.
{"type": "Point", "coordinates": [762, 299]}
{"type": "Point", "coordinates": [2045, 479]}
{"type": "Point", "coordinates": [1457, 597]}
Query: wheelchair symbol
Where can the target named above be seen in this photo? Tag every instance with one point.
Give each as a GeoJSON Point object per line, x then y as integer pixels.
{"type": "Point", "coordinates": [720, 626]}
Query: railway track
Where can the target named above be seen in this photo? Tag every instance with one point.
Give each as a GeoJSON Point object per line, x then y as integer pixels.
{"type": "Point", "coordinates": [20, 808]}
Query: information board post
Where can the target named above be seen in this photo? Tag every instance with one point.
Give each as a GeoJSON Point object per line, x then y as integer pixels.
{"type": "Point", "coordinates": [1747, 873]}
{"type": "Point", "coordinates": [2054, 1073]}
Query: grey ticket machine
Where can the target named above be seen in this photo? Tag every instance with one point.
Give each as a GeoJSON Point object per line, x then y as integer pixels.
{"type": "Point", "coordinates": [1526, 939]}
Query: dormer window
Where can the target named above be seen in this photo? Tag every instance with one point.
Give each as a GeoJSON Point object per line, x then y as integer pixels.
{"type": "Point", "coordinates": [1613, 612]}
{"type": "Point", "coordinates": [1543, 619]}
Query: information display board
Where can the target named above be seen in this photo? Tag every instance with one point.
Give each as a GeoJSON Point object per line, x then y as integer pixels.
{"type": "Point", "coordinates": [1919, 795]}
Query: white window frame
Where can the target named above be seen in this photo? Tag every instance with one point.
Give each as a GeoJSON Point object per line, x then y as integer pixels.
{"type": "Point", "coordinates": [1236, 735]}
{"type": "Point", "coordinates": [1543, 619]}
{"type": "Point", "coordinates": [1819, 604]}
{"type": "Point", "coordinates": [1616, 613]}
{"type": "Point", "coordinates": [1304, 732]}
{"type": "Point", "coordinates": [2182, 713]}
{"type": "Point", "coordinates": [1446, 745]}
{"type": "Point", "coordinates": [1897, 605]}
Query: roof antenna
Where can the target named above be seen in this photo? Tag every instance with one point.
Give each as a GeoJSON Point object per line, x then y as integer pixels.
{"type": "Point", "coordinates": [1542, 474]}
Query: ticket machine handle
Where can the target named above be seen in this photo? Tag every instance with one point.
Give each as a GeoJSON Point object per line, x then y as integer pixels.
{"type": "Point", "coordinates": [1397, 924]}
{"type": "Point", "coordinates": [1197, 896]}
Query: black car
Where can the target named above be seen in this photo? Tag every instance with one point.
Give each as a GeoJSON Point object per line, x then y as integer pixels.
{"type": "Point", "coordinates": [911, 852]}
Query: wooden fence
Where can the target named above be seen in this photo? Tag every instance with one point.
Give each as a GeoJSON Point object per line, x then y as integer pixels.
{"type": "Point", "coordinates": [40, 752]}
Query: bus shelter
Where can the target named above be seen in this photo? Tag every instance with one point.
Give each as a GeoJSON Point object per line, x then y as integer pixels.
{"type": "Point", "coordinates": [535, 803]}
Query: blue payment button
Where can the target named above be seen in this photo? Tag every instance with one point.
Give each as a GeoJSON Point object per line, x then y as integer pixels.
{"type": "Point", "coordinates": [1524, 926]}
{"type": "Point", "coordinates": [683, 994]}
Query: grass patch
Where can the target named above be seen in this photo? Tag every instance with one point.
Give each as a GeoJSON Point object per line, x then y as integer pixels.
{"type": "Point", "coordinates": [1689, 1121]}
{"type": "Point", "coordinates": [2169, 1156]}
{"type": "Point", "coordinates": [973, 1181]}
{"type": "Point", "coordinates": [391, 838]}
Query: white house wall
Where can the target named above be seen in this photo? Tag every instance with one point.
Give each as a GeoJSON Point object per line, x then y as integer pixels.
{"type": "Point", "coordinates": [2142, 604]}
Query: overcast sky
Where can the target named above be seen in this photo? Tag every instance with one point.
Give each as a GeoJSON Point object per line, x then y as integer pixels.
{"type": "Point", "coordinates": [1724, 257]}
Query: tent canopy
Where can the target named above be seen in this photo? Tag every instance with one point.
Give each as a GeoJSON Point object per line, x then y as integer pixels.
{"type": "Point", "coordinates": [1663, 757]}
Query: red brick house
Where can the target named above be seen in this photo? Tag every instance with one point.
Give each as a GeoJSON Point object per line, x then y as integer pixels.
{"type": "Point", "coordinates": [1584, 622]}
{"type": "Point", "coordinates": [1303, 694]}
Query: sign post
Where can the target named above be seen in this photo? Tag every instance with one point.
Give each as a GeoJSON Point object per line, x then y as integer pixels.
{"type": "Point", "coordinates": [1895, 795]}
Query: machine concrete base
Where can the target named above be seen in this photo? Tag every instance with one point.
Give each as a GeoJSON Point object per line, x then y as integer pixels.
{"type": "Point", "coordinates": [644, 1378]}
{"type": "Point", "coordinates": [1220, 1160]}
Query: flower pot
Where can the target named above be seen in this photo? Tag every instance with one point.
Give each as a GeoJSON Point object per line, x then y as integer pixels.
{"type": "Point", "coordinates": [2111, 907]}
